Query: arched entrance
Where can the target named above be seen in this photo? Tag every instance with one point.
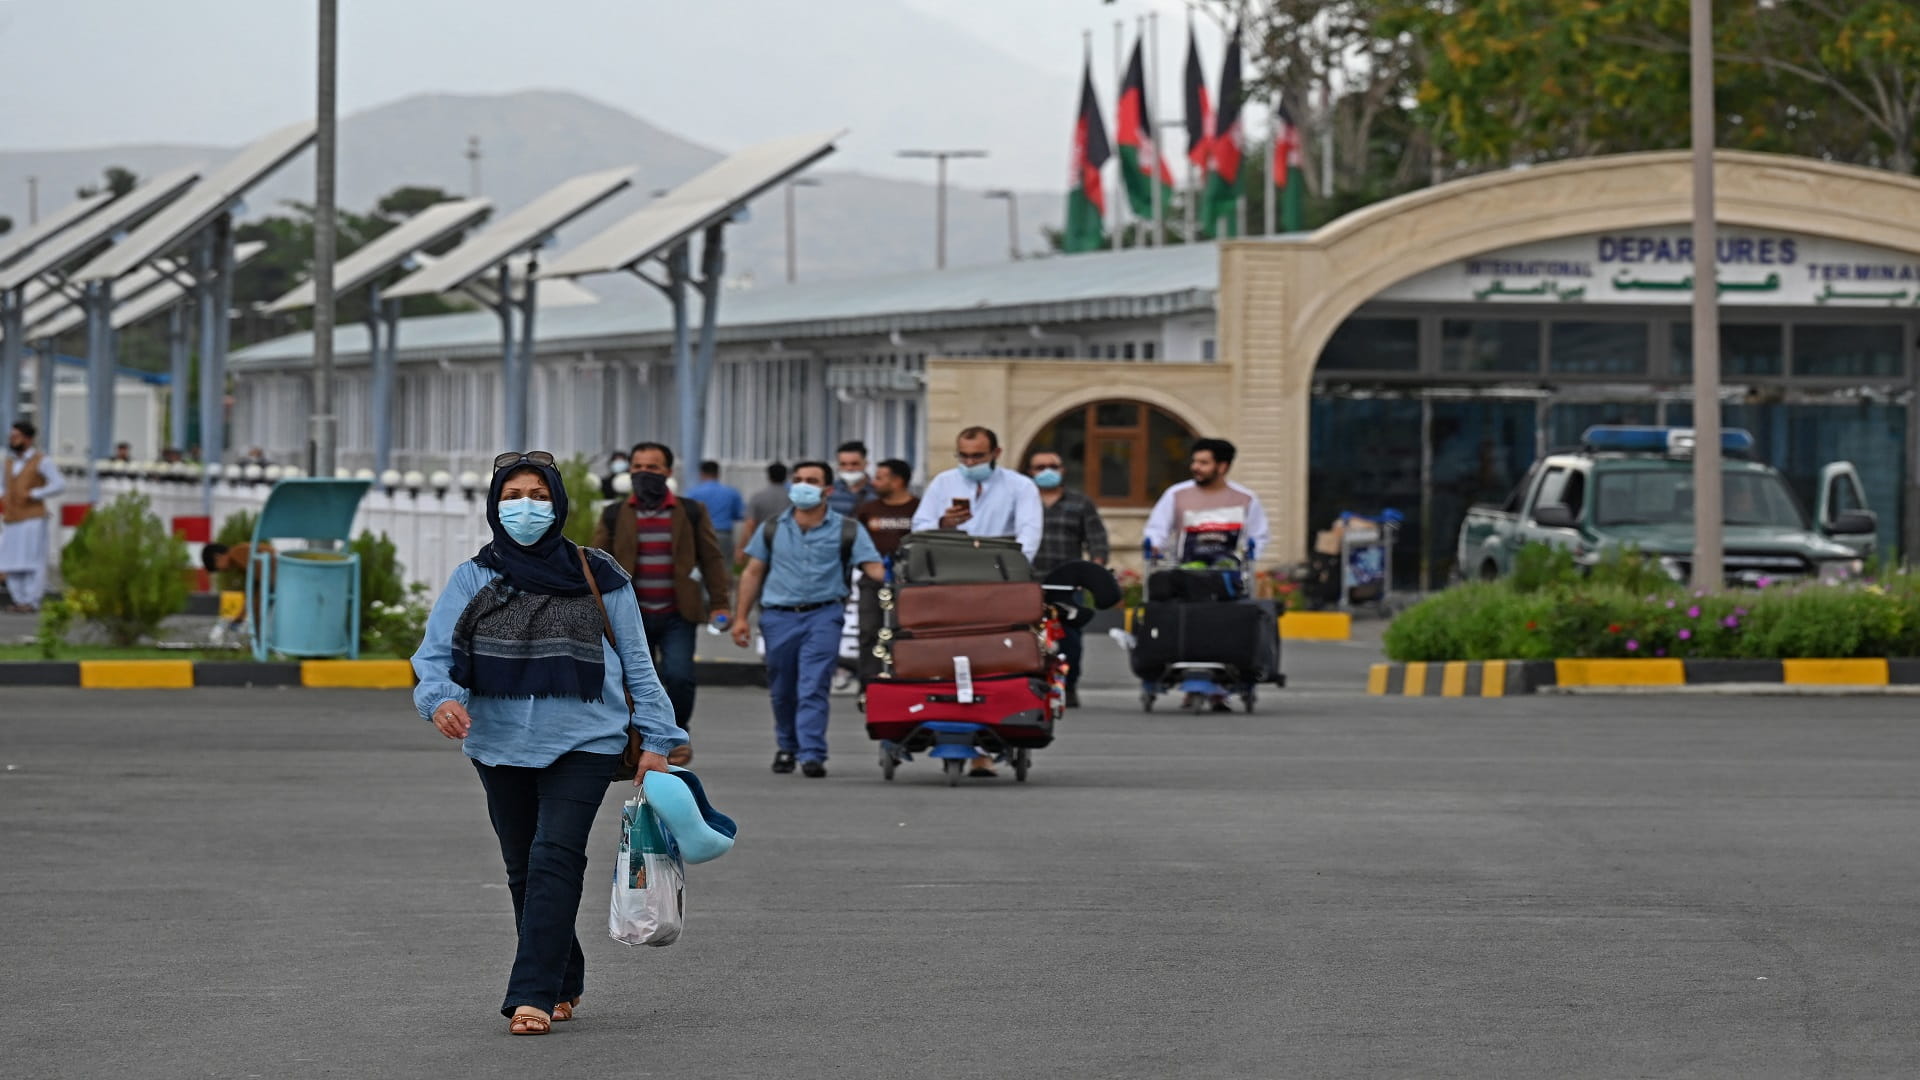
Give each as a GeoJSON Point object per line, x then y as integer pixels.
{"type": "Point", "coordinates": [1283, 302]}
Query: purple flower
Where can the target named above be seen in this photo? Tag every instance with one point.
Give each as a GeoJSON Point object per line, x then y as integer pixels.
{"type": "Point", "coordinates": [1731, 622]}
{"type": "Point", "coordinates": [1762, 583]}
{"type": "Point", "coordinates": [1659, 652]}
{"type": "Point", "coordinates": [1632, 646]}
{"type": "Point", "coordinates": [1698, 593]}
{"type": "Point", "coordinates": [1686, 635]}
{"type": "Point", "coordinates": [1693, 612]}
{"type": "Point", "coordinates": [1669, 605]}
{"type": "Point", "coordinates": [1741, 612]}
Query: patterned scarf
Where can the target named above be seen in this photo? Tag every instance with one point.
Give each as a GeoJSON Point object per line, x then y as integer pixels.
{"type": "Point", "coordinates": [513, 644]}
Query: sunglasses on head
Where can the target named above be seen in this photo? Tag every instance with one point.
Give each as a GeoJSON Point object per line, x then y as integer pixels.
{"type": "Point", "coordinates": [515, 457]}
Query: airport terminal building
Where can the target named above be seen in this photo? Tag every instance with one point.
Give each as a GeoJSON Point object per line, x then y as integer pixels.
{"type": "Point", "coordinates": [1417, 354]}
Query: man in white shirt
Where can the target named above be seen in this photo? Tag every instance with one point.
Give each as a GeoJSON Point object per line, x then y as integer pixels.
{"type": "Point", "coordinates": [981, 499]}
{"type": "Point", "coordinates": [27, 481]}
{"type": "Point", "coordinates": [1208, 517]}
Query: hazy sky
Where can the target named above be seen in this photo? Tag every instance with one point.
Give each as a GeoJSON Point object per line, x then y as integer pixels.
{"type": "Point", "coordinates": [77, 73]}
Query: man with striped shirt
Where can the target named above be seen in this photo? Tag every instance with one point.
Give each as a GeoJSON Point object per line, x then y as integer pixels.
{"type": "Point", "coordinates": [680, 571]}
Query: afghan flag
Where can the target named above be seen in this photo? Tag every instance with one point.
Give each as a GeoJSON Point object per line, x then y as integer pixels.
{"type": "Point", "coordinates": [1199, 116]}
{"type": "Point", "coordinates": [1223, 175]}
{"type": "Point", "coordinates": [1286, 172]}
{"type": "Point", "coordinates": [1140, 159]}
{"type": "Point", "coordinates": [1086, 196]}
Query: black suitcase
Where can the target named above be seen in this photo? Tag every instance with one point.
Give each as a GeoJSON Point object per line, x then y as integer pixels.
{"type": "Point", "coordinates": [1177, 586]}
{"type": "Point", "coordinates": [1245, 636]}
{"type": "Point", "coordinates": [951, 557]}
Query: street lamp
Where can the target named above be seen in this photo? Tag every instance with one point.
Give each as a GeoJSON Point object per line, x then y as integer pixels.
{"type": "Point", "coordinates": [1708, 511]}
{"type": "Point", "coordinates": [1013, 220]}
{"type": "Point", "coordinates": [940, 210]}
{"type": "Point", "coordinates": [792, 246]}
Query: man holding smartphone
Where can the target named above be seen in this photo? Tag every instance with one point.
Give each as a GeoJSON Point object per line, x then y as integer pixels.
{"type": "Point", "coordinates": [979, 498]}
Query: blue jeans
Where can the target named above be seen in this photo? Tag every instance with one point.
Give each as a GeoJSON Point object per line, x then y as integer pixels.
{"type": "Point", "coordinates": [672, 639]}
{"type": "Point", "coordinates": [803, 649]}
{"type": "Point", "coordinates": [542, 817]}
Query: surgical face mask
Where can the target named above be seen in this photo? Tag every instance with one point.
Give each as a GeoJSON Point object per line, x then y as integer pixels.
{"type": "Point", "coordinates": [649, 487]}
{"type": "Point", "coordinates": [979, 472]}
{"type": "Point", "coordinates": [526, 520]}
{"type": "Point", "coordinates": [803, 496]}
{"type": "Point", "coordinates": [1047, 478]}
{"type": "Point", "coordinates": [851, 477]}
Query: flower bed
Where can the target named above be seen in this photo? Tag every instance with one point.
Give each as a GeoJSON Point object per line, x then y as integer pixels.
{"type": "Point", "coordinates": [1549, 609]}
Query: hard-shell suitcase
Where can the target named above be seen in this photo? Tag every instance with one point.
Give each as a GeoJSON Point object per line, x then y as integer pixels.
{"type": "Point", "coordinates": [1018, 708]}
{"type": "Point", "coordinates": [1245, 636]}
{"type": "Point", "coordinates": [1011, 652]}
{"type": "Point", "coordinates": [951, 557]}
{"type": "Point", "coordinates": [938, 610]}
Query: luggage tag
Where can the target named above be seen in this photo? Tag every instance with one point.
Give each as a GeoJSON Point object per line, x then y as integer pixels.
{"type": "Point", "coordinates": [963, 679]}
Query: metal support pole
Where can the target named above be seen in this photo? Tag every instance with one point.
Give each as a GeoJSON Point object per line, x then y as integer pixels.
{"type": "Point", "coordinates": [940, 216]}
{"type": "Point", "coordinates": [523, 358]}
{"type": "Point", "coordinates": [1013, 226]}
{"type": "Point", "coordinates": [1158, 234]}
{"type": "Point", "coordinates": [1708, 512]}
{"type": "Point", "coordinates": [513, 414]}
{"type": "Point", "coordinates": [713, 265]}
{"type": "Point", "coordinates": [792, 268]}
{"type": "Point", "coordinates": [380, 388]}
{"type": "Point", "coordinates": [683, 382]}
{"type": "Point", "coordinates": [214, 257]}
{"type": "Point", "coordinates": [45, 383]}
{"type": "Point", "coordinates": [1426, 496]}
{"type": "Point", "coordinates": [13, 350]}
{"type": "Point", "coordinates": [1119, 78]}
{"type": "Point", "coordinates": [180, 370]}
{"type": "Point", "coordinates": [99, 307]}
{"type": "Point", "coordinates": [324, 426]}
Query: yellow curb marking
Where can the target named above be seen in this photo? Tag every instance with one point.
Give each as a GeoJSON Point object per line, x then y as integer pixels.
{"type": "Point", "coordinates": [1493, 679]}
{"type": "Point", "coordinates": [1453, 679]}
{"type": "Point", "coordinates": [1620, 672]}
{"type": "Point", "coordinates": [1316, 626]}
{"type": "Point", "coordinates": [357, 674]}
{"type": "Point", "coordinates": [1416, 681]}
{"type": "Point", "coordinates": [1377, 676]}
{"type": "Point", "coordinates": [136, 674]}
{"type": "Point", "coordinates": [1835, 672]}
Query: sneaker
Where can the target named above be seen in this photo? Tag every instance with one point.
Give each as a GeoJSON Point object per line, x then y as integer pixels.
{"type": "Point", "coordinates": [814, 769]}
{"type": "Point", "coordinates": [982, 767]}
{"type": "Point", "coordinates": [1073, 699]}
{"type": "Point", "coordinates": [783, 762]}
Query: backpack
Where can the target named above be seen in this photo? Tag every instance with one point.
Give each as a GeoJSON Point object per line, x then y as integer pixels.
{"type": "Point", "coordinates": [849, 529]}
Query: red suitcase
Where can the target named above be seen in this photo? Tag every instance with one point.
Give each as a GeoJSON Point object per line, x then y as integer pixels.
{"type": "Point", "coordinates": [1019, 708]}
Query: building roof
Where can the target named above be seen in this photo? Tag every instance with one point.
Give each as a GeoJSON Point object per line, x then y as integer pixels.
{"type": "Point", "coordinates": [1134, 284]}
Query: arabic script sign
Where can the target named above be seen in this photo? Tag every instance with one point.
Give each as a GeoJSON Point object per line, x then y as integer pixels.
{"type": "Point", "coordinates": [1655, 266]}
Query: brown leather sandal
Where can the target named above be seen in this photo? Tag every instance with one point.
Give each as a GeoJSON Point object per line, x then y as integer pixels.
{"type": "Point", "coordinates": [564, 1011]}
{"type": "Point", "coordinates": [528, 1020]}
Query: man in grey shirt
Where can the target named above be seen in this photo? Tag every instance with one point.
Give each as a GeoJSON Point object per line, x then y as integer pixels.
{"type": "Point", "coordinates": [763, 506]}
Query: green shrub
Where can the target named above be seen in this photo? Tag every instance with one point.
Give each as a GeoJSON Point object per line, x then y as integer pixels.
{"type": "Point", "coordinates": [1591, 619]}
{"type": "Point", "coordinates": [236, 530]}
{"type": "Point", "coordinates": [127, 569]}
{"type": "Point", "coordinates": [393, 614]}
{"type": "Point", "coordinates": [583, 498]}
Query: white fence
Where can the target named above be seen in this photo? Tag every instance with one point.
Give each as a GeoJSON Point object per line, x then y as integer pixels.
{"type": "Point", "coordinates": [432, 531]}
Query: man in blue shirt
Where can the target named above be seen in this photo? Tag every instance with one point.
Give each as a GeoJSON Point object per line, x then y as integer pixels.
{"type": "Point", "coordinates": [724, 505]}
{"type": "Point", "coordinates": [799, 566]}
{"type": "Point", "coordinates": [851, 484]}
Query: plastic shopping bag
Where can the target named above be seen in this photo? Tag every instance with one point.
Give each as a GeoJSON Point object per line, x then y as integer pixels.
{"type": "Point", "coordinates": [649, 881]}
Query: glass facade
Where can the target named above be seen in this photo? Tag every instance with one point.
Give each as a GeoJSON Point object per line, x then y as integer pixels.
{"type": "Point", "coordinates": [1825, 386]}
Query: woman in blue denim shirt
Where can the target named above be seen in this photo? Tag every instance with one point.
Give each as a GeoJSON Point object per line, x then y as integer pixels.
{"type": "Point", "coordinates": [517, 664]}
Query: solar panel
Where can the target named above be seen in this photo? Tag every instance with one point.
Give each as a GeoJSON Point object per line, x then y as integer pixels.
{"type": "Point", "coordinates": [52, 225]}
{"type": "Point", "coordinates": [56, 318]}
{"type": "Point", "coordinates": [168, 292]}
{"type": "Point", "coordinates": [117, 215]}
{"type": "Point", "coordinates": [390, 249]}
{"type": "Point", "coordinates": [209, 199]}
{"type": "Point", "coordinates": [711, 196]}
{"type": "Point", "coordinates": [516, 232]}
{"type": "Point", "coordinates": [554, 292]}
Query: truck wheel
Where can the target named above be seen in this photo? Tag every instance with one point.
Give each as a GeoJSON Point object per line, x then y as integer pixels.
{"type": "Point", "coordinates": [1488, 571]}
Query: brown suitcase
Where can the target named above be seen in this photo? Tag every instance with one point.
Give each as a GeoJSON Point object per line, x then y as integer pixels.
{"type": "Point", "coordinates": [1015, 652]}
{"type": "Point", "coordinates": [928, 610]}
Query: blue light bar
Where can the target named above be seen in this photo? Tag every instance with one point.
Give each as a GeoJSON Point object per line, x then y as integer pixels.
{"type": "Point", "coordinates": [1622, 439]}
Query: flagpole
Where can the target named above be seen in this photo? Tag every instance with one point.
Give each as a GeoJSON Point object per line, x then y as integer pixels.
{"type": "Point", "coordinates": [1158, 232]}
{"type": "Point", "coordinates": [1119, 78]}
{"type": "Point", "coordinates": [1193, 183]}
{"type": "Point", "coordinates": [1275, 167]}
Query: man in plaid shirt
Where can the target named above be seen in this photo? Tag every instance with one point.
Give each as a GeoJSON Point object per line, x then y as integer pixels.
{"type": "Point", "coordinates": [1072, 531]}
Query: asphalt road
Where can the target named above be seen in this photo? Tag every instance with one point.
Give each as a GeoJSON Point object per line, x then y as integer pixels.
{"type": "Point", "coordinates": [227, 883]}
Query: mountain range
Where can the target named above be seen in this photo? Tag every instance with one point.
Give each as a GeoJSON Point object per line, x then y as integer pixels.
{"type": "Point", "coordinates": [851, 225]}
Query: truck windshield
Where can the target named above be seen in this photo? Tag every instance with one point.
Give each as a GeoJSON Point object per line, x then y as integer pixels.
{"type": "Point", "coordinates": [1665, 497]}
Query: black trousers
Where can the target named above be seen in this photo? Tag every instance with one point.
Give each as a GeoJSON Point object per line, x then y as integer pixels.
{"type": "Point", "coordinates": [542, 817]}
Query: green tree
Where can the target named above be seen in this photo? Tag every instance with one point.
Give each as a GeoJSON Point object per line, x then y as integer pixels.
{"type": "Point", "coordinates": [115, 179]}
{"type": "Point", "coordinates": [6, 224]}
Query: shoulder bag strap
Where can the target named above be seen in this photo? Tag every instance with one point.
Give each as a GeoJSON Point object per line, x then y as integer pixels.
{"type": "Point", "coordinates": [606, 624]}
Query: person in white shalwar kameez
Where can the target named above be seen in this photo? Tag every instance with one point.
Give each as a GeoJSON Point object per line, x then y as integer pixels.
{"type": "Point", "coordinates": [30, 480]}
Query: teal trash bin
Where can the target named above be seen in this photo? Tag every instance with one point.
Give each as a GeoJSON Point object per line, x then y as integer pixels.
{"type": "Point", "coordinates": [309, 599]}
